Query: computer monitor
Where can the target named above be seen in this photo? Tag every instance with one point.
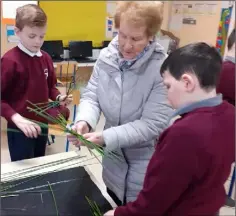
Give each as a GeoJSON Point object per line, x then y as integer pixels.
{"type": "Point", "coordinates": [105, 43]}
{"type": "Point", "coordinates": [54, 48]}
{"type": "Point", "coordinates": [80, 49]}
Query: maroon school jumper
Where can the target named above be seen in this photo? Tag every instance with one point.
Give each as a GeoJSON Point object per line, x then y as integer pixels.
{"type": "Point", "coordinates": [226, 84]}
{"type": "Point", "coordinates": [23, 78]}
{"type": "Point", "coordinates": [190, 165]}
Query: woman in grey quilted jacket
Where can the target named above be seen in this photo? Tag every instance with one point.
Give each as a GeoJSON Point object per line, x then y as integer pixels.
{"type": "Point", "coordinates": [127, 88]}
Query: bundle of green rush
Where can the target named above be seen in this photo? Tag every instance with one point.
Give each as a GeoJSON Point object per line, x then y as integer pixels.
{"type": "Point", "coordinates": [52, 104]}
{"type": "Point", "coordinates": [63, 126]}
{"type": "Point", "coordinates": [71, 86]}
{"type": "Point", "coordinates": [47, 105]}
{"type": "Point", "coordinates": [94, 208]}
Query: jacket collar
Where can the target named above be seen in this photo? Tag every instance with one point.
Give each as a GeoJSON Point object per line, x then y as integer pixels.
{"type": "Point", "coordinates": [22, 47]}
{"type": "Point", "coordinates": [111, 55]}
{"type": "Point", "coordinates": [211, 102]}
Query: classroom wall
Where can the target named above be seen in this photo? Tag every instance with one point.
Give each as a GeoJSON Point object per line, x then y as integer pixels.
{"type": "Point", "coordinates": [8, 18]}
{"type": "Point", "coordinates": [69, 20]}
{"type": "Point", "coordinates": [206, 27]}
{"type": "Point", "coordinates": [166, 15]}
{"type": "Point", "coordinates": [5, 45]}
{"type": "Point", "coordinates": [75, 20]}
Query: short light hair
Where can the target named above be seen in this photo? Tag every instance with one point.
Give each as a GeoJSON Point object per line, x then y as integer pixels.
{"type": "Point", "coordinates": [141, 13]}
{"type": "Point", "coordinates": [30, 15]}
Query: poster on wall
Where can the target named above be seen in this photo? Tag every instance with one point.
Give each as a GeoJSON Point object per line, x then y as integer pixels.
{"type": "Point", "coordinates": [109, 26]}
{"type": "Point", "coordinates": [11, 36]}
{"type": "Point", "coordinates": [187, 9]}
{"type": "Point", "coordinates": [223, 29]}
{"type": "Point", "coordinates": [177, 8]}
{"type": "Point", "coordinates": [111, 8]}
{"type": "Point", "coordinates": [111, 31]}
{"type": "Point", "coordinates": [211, 8]}
{"type": "Point", "coordinates": [199, 8]}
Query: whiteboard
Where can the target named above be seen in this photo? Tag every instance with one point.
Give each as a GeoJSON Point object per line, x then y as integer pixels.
{"type": "Point", "coordinates": [9, 8]}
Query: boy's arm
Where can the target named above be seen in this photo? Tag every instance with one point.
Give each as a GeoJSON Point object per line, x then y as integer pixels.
{"type": "Point", "coordinates": [54, 93]}
{"type": "Point", "coordinates": [7, 74]}
{"type": "Point", "coordinates": [169, 174]}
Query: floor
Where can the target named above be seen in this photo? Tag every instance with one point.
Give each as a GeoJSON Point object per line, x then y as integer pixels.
{"type": "Point", "coordinates": [60, 145]}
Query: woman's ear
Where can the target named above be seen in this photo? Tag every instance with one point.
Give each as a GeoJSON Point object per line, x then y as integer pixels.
{"type": "Point", "coordinates": [189, 83]}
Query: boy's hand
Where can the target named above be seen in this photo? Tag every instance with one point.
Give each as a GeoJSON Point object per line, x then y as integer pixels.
{"type": "Point", "coordinates": [110, 213]}
{"type": "Point", "coordinates": [65, 99]}
{"type": "Point", "coordinates": [30, 129]}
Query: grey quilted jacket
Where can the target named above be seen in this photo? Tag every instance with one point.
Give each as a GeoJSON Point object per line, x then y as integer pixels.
{"type": "Point", "coordinates": [136, 110]}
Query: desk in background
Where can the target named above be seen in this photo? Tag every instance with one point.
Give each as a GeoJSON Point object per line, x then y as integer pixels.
{"type": "Point", "coordinates": [67, 69]}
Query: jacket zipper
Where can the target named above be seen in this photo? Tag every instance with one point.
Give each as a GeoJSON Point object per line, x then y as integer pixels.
{"type": "Point", "coordinates": [122, 81]}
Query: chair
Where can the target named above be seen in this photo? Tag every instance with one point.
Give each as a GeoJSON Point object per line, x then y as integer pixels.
{"type": "Point", "coordinates": [174, 43]}
{"type": "Point", "coordinates": [65, 72]}
{"type": "Point", "coordinates": [59, 83]}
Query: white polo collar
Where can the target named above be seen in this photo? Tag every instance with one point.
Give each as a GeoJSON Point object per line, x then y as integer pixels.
{"type": "Point", "coordinates": [21, 47]}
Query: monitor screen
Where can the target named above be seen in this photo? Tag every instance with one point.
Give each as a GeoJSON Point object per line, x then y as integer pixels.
{"type": "Point", "coordinates": [81, 49]}
{"type": "Point", "coordinates": [105, 43]}
{"type": "Point", "coordinates": [54, 48]}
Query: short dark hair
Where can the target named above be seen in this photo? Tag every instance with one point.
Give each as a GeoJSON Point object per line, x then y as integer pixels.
{"type": "Point", "coordinates": [231, 39]}
{"type": "Point", "coordinates": [198, 58]}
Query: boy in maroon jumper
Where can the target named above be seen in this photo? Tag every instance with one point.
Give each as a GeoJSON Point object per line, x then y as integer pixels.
{"type": "Point", "coordinates": [28, 74]}
{"type": "Point", "coordinates": [193, 157]}
{"type": "Point", "coordinates": [226, 85]}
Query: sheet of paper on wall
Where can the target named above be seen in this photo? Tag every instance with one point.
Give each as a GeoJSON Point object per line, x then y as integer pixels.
{"type": "Point", "coordinates": [11, 36]}
{"type": "Point", "coordinates": [226, 4]}
{"type": "Point", "coordinates": [187, 8]}
{"type": "Point", "coordinates": [211, 8]}
{"type": "Point", "coordinates": [176, 22]}
{"type": "Point", "coordinates": [199, 9]}
{"type": "Point", "coordinates": [111, 8]}
{"type": "Point", "coordinates": [177, 8]}
{"type": "Point", "coordinates": [109, 26]}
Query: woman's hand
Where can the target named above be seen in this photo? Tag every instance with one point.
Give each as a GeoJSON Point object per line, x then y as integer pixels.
{"type": "Point", "coordinates": [95, 137]}
{"type": "Point", "coordinates": [81, 128]}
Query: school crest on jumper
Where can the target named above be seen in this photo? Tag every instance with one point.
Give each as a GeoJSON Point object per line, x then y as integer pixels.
{"type": "Point", "coordinates": [46, 73]}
